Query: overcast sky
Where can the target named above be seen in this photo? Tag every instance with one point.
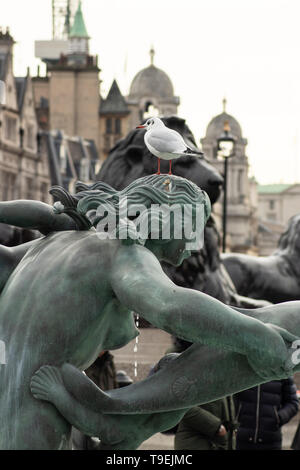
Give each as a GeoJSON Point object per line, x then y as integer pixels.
{"type": "Point", "coordinates": [246, 50]}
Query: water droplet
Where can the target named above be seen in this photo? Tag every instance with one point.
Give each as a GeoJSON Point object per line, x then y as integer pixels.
{"type": "Point", "coordinates": [135, 348]}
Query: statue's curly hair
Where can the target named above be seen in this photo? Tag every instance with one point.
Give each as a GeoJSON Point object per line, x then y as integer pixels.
{"type": "Point", "coordinates": [149, 191]}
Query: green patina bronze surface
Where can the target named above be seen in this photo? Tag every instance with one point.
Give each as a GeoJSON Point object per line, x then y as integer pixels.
{"type": "Point", "coordinates": [69, 295]}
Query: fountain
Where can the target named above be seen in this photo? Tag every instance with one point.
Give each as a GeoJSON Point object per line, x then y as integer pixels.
{"type": "Point", "coordinates": [70, 294]}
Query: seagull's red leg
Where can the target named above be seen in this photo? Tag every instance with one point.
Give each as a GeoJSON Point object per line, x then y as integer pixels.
{"type": "Point", "coordinates": [170, 167]}
{"type": "Point", "coordinates": [158, 167]}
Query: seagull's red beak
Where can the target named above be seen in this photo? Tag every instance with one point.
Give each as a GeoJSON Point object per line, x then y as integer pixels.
{"type": "Point", "coordinates": [140, 127]}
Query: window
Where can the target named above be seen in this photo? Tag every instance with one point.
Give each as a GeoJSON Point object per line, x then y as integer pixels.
{"type": "Point", "coordinates": [44, 192]}
{"type": "Point", "coordinates": [10, 132]}
{"type": "Point", "coordinates": [84, 169]}
{"type": "Point", "coordinates": [271, 204]}
{"type": "Point", "coordinates": [108, 126]}
{"type": "Point", "coordinates": [30, 137]}
{"type": "Point", "coordinates": [29, 188]}
{"type": "Point", "coordinates": [8, 186]}
{"type": "Point", "coordinates": [118, 126]}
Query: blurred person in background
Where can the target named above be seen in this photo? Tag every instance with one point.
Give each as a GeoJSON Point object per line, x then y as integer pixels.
{"type": "Point", "coordinates": [261, 413]}
{"type": "Point", "coordinates": [208, 427]}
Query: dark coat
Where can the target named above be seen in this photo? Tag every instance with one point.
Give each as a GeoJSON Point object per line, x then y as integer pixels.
{"type": "Point", "coordinates": [262, 411]}
{"type": "Point", "coordinates": [199, 426]}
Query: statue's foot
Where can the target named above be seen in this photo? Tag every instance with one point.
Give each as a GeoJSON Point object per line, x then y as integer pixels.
{"type": "Point", "coordinates": [46, 382]}
{"type": "Point", "coordinates": [85, 390]}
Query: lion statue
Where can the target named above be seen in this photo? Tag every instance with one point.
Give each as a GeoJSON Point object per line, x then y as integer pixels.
{"type": "Point", "coordinates": [275, 278]}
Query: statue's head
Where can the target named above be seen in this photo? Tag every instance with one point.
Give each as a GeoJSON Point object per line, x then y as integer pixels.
{"type": "Point", "coordinates": [165, 213]}
{"type": "Point", "coordinates": [130, 159]}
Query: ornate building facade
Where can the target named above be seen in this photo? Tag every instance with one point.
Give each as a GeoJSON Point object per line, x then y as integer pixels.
{"type": "Point", "coordinates": [33, 158]}
{"type": "Point", "coordinates": [24, 171]}
{"type": "Point", "coordinates": [241, 189]}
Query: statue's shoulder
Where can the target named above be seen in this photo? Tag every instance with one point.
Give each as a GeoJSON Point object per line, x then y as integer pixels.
{"type": "Point", "coordinates": [136, 259]}
{"type": "Point", "coordinates": [61, 240]}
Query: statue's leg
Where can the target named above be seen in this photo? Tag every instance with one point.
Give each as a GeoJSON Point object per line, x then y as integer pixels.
{"type": "Point", "coordinates": [115, 431]}
{"type": "Point", "coordinates": [124, 418]}
{"type": "Point", "coordinates": [199, 375]}
{"type": "Point", "coordinates": [47, 385]}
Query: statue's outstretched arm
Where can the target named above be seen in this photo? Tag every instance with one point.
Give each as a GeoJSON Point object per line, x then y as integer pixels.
{"type": "Point", "coordinates": [34, 215]}
{"type": "Point", "coordinates": [140, 284]}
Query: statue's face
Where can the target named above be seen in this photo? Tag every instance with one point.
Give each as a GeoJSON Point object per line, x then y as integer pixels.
{"type": "Point", "coordinates": [182, 240]}
{"type": "Point", "coordinates": [173, 251]}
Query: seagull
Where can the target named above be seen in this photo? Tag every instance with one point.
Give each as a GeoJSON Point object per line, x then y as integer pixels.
{"type": "Point", "coordinates": [165, 143]}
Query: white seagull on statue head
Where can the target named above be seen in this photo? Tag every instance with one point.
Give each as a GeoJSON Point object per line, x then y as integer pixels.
{"type": "Point", "coordinates": [164, 142]}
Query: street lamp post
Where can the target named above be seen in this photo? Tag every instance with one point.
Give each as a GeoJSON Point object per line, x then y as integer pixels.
{"type": "Point", "coordinates": [225, 147]}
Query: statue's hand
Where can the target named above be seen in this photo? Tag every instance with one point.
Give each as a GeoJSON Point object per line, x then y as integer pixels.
{"type": "Point", "coordinates": [46, 383]}
{"type": "Point", "coordinates": [273, 359]}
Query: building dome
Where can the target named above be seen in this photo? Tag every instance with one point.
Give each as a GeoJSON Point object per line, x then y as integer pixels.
{"type": "Point", "coordinates": [216, 126]}
{"type": "Point", "coordinates": [151, 81]}
{"type": "Point", "coordinates": [214, 131]}
{"type": "Point", "coordinates": [151, 93]}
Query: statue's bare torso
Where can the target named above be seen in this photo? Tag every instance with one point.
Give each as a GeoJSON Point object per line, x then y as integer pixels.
{"type": "Point", "coordinates": [62, 285]}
